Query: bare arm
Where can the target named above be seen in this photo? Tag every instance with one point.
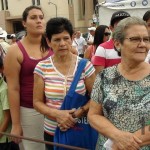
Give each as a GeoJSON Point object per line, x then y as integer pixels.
{"type": "Point", "coordinates": [6, 121]}
{"type": "Point", "coordinates": [122, 139]}
{"type": "Point", "coordinates": [87, 53]}
{"type": "Point", "coordinates": [98, 69]}
{"type": "Point", "coordinates": [144, 135]}
{"type": "Point", "coordinates": [62, 116]}
{"type": "Point", "coordinates": [12, 71]}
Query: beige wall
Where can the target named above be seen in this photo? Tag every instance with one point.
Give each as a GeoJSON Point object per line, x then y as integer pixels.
{"type": "Point", "coordinates": [16, 7]}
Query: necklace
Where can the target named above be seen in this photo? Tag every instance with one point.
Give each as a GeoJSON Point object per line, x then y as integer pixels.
{"type": "Point", "coordinates": [66, 77]}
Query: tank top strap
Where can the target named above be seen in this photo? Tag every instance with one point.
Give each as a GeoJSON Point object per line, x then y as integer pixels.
{"type": "Point", "coordinates": [21, 47]}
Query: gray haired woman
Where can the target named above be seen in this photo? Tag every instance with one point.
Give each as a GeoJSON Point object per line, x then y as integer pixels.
{"type": "Point", "coordinates": [120, 106]}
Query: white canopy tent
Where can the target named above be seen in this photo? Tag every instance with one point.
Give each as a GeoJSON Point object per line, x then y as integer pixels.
{"type": "Point", "coordinates": [134, 7]}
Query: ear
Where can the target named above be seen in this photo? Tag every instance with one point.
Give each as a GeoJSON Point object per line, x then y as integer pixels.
{"type": "Point", "coordinates": [111, 28]}
{"type": "Point", "coordinates": [117, 45]}
{"type": "Point", "coordinates": [24, 24]}
{"type": "Point", "coordinates": [48, 42]}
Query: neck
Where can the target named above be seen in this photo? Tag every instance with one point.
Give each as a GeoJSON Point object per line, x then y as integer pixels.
{"type": "Point", "coordinates": [130, 66]}
{"type": "Point", "coordinates": [35, 40]}
{"type": "Point", "coordinates": [62, 59]}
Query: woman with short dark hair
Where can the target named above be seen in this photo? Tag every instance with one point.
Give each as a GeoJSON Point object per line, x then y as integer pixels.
{"type": "Point", "coordinates": [53, 78]}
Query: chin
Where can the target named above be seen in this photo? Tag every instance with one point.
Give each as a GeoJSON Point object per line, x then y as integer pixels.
{"type": "Point", "coordinates": [140, 60]}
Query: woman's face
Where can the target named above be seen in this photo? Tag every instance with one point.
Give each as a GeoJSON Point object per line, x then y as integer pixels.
{"type": "Point", "coordinates": [35, 22]}
{"type": "Point", "coordinates": [106, 35]}
{"type": "Point", "coordinates": [136, 43]}
{"type": "Point", "coordinates": [61, 43]}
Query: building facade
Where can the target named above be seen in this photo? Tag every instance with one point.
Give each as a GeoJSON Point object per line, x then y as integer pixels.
{"type": "Point", "coordinates": [80, 12]}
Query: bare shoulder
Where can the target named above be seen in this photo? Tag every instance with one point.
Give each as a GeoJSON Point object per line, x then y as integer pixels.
{"type": "Point", "coordinates": [14, 53]}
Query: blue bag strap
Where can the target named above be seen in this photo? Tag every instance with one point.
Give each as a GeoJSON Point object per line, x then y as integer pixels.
{"type": "Point", "coordinates": [78, 73]}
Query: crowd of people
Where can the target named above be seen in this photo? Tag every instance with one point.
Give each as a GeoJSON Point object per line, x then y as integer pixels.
{"type": "Point", "coordinates": [40, 68]}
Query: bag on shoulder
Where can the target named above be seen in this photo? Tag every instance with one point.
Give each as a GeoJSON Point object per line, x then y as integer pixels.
{"type": "Point", "coordinates": [82, 134]}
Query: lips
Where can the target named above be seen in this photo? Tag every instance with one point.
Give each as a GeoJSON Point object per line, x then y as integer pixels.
{"type": "Point", "coordinates": [39, 26]}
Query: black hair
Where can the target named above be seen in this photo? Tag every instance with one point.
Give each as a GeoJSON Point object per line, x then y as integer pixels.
{"type": "Point", "coordinates": [58, 25]}
{"type": "Point", "coordinates": [26, 11]}
{"type": "Point", "coordinates": [99, 35]}
{"type": "Point", "coordinates": [146, 16]}
{"type": "Point", "coordinates": [1, 62]}
{"type": "Point", "coordinates": [44, 45]}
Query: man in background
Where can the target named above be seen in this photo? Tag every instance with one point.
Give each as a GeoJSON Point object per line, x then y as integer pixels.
{"type": "Point", "coordinates": [105, 55]}
{"type": "Point", "coordinates": [4, 45]}
{"type": "Point", "coordinates": [81, 43]}
{"type": "Point", "coordinates": [90, 38]}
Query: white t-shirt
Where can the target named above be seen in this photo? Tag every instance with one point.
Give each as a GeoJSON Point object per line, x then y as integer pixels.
{"type": "Point", "coordinates": [80, 44]}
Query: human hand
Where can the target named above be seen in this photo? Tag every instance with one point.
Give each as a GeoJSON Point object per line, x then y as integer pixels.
{"type": "Point", "coordinates": [80, 112]}
{"type": "Point", "coordinates": [16, 130]}
{"type": "Point", "coordinates": [65, 119]}
{"type": "Point", "coordinates": [126, 141]}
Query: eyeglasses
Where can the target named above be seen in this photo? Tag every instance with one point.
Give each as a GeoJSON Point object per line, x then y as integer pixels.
{"type": "Point", "coordinates": [139, 39]}
{"type": "Point", "coordinates": [107, 33]}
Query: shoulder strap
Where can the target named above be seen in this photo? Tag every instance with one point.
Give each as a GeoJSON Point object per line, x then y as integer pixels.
{"type": "Point", "coordinates": [78, 73]}
{"type": "Point", "coordinates": [21, 47]}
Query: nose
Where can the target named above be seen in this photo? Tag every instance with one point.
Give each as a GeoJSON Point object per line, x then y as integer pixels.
{"type": "Point", "coordinates": [39, 19]}
{"type": "Point", "coordinates": [142, 43]}
{"type": "Point", "coordinates": [62, 42]}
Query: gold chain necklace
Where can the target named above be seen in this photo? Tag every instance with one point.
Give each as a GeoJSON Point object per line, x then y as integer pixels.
{"type": "Point", "coordinates": [66, 77]}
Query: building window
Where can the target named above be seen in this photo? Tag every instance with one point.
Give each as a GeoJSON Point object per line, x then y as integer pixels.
{"type": "Point", "coordinates": [70, 2]}
{"type": "Point", "coordinates": [38, 2]}
{"type": "Point", "coordinates": [82, 9]}
{"type": "Point", "coordinates": [6, 4]}
{"type": "Point", "coordinates": [33, 2]}
{"type": "Point", "coordinates": [2, 4]}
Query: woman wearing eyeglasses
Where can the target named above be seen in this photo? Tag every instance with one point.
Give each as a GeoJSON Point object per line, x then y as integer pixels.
{"type": "Point", "coordinates": [102, 34]}
{"type": "Point", "coordinates": [120, 105]}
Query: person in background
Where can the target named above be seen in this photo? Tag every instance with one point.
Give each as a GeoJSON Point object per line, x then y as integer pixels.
{"type": "Point", "coordinates": [102, 34]}
{"type": "Point", "coordinates": [81, 44]}
{"type": "Point", "coordinates": [3, 44]}
{"type": "Point", "coordinates": [19, 65]}
{"type": "Point", "coordinates": [5, 118]}
{"type": "Point", "coordinates": [146, 18]}
{"type": "Point", "coordinates": [74, 44]}
{"type": "Point", "coordinates": [13, 39]}
{"type": "Point", "coordinates": [53, 77]}
{"type": "Point", "coordinates": [90, 38]}
{"type": "Point", "coordinates": [120, 105]}
{"type": "Point", "coordinates": [105, 55]}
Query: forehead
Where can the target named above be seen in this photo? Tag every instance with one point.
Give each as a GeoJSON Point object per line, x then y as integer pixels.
{"type": "Point", "coordinates": [137, 30]}
{"type": "Point", "coordinates": [35, 12]}
{"type": "Point", "coordinates": [62, 34]}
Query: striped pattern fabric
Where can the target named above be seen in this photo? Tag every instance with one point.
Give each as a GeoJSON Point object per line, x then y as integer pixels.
{"type": "Point", "coordinates": [105, 55]}
{"type": "Point", "coordinates": [56, 85]}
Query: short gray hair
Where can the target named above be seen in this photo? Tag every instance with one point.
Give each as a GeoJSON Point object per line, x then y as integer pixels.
{"type": "Point", "coordinates": [120, 30]}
